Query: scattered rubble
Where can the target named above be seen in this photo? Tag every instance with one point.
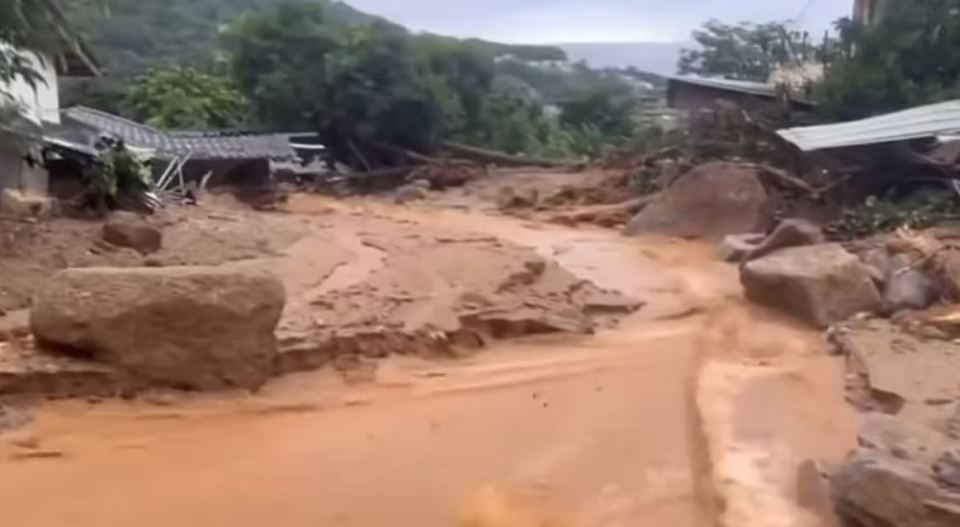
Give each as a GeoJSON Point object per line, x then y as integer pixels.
{"type": "Point", "coordinates": [709, 202]}
{"type": "Point", "coordinates": [822, 284]}
{"type": "Point", "coordinates": [185, 327]}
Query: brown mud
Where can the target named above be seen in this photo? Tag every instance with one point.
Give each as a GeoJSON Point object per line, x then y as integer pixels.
{"type": "Point", "coordinates": [695, 411]}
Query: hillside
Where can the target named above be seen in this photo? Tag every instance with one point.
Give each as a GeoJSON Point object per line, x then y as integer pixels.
{"type": "Point", "coordinates": [132, 35]}
{"type": "Point", "coordinates": [654, 57]}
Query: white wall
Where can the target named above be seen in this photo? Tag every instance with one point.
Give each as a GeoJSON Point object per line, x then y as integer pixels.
{"type": "Point", "coordinates": [41, 102]}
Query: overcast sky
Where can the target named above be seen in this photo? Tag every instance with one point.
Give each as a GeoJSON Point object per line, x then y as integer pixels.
{"type": "Point", "coordinates": [530, 21]}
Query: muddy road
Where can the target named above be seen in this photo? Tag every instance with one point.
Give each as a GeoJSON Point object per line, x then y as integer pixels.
{"type": "Point", "coordinates": [696, 411]}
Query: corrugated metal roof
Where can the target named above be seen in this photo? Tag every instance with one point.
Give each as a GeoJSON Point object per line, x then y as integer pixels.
{"type": "Point", "coordinates": [915, 123]}
{"type": "Point", "coordinates": [200, 146]}
{"type": "Point", "coordinates": [751, 88]}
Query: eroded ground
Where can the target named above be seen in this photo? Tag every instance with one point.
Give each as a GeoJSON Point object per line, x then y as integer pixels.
{"type": "Point", "coordinates": [695, 410]}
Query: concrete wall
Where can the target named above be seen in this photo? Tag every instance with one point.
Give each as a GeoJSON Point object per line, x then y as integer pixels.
{"type": "Point", "coordinates": [17, 173]}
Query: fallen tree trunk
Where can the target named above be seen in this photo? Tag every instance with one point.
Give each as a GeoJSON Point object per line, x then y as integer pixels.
{"type": "Point", "coordinates": [482, 155]}
{"type": "Point", "coordinates": [605, 215]}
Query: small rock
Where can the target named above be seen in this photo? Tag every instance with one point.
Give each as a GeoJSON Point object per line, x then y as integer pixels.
{"type": "Point", "coordinates": [947, 468]}
{"type": "Point", "coordinates": [889, 434]}
{"type": "Point", "coordinates": [953, 424]}
{"type": "Point", "coordinates": [790, 233]}
{"type": "Point", "coordinates": [509, 198]}
{"type": "Point", "coordinates": [908, 287]}
{"type": "Point", "coordinates": [736, 247]}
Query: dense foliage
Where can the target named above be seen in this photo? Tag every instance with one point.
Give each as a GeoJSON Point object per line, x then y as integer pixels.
{"type": "Point", "coordinates": [182, 97]}
{"type": "Point", "coordinates": [744, 51]}
{"type": "Point", "coordinates": [375, 85]}
{"type": "Point", "coordinates": [132, 36]}
{"type": "Point", "coordinates": [910, 57]}
{"type": "Point", "coordinates": [26, 25]}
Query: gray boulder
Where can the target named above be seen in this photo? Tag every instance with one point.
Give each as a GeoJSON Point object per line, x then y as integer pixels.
{"type": "Point", "coordinates": [737, 246]}
{"type": "Point", "coordinates": [126, 229]}
{"type": "Point", "coordinates": [874, 489]}
{"type": "Point", "coordinates": [908, 287]}
{"type": "Point", "coordinates": [185, 327]}
{"type": "Point", "coordinates": [709, 202]}
{"type": "Point", "coordinates": [822, 284]}
{"type": "Point", "coordinates": [790, 233]}
{"type": "Point", "coordinates": [947, 468]}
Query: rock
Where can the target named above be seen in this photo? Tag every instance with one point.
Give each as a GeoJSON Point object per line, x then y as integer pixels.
{"type": "Point", "coordinates": [414, 191]}
{"type": "Point", "coordinates": [877, 262]}
{"type": "Point", "coordinates": [908, 288]}
{"type": "Point", "coordinates": [946, 468]}
{"type": "Point", "coordinates": [790, 233]}
{"type": "Point", "coordinates": [510, 199]}
{"type": "Point", "coordinates": [874, 489]}
{"type": "Point", "coordinates": [953, 424]}
{"type": "Point", "coordinates": [889, 434]}
{"type": "Point", "coordinates": [735, 247]}
{"type": "Point", "coordinates": [19, 205]}
{"type": "Point", "coordinates": [183, 327]}
{"type": "Point", "coordinates": [126, 229]}
{"type": "Point", "coordinates": [822, 284]}
{"type": "Point", "coordinates": [709, 202]}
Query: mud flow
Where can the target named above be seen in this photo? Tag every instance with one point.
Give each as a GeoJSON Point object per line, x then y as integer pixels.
{"type": "Point", "coordinates": [664, 401]}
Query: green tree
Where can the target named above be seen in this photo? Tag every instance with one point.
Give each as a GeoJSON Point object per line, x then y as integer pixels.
{"type": "Point", "coordinates": [182, 97]}
{"type": "Point", "coordinates": [608, 109]}
{"type": "Point", "coordinates": [911, 56]}
{"type": "Point", "coordinates": [744, 51]}
{"type": "Point", "coordinates": [27, 26]}
{"type": "Point", "coordinates": [354, 85]}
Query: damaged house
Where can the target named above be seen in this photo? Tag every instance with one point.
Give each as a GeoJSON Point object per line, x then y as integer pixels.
{"type": "Point", "coordinates": [213, 157]}
{"type": "Point", "coordinates": [31, 107]}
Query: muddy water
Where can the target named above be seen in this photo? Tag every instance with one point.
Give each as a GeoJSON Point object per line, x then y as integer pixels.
{"type": "Point", "coordinates": [551, 432]}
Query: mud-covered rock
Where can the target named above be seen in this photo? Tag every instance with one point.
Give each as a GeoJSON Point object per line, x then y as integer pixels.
{"type": "Point", "coordinates": [953, 423]}
{"type": "Point", "coordinates": [509, 198]}
{"type": "Point", "coordinates": [413, 191]}
{"type": "Point", "coordinates": [185, 327]}
{"type": "Point", "coordinates": [736, 247]}
{"type": "Point", "coordinates": [947, 468]}
{"type": "Point", "coordinates": [822, 284]}
{"type": "Point", "coordinates": [126, 229]}
{"type": "Point", "coordinates": [888, 434]}
{"type": "Point", "coordinates": [874, 489]}
{"type": "Point", "coordinates": [709, 202]}
{"type": "Point", "coordinates": [908, 287]}
{"type": "Point", "coordinates": [790, 233]}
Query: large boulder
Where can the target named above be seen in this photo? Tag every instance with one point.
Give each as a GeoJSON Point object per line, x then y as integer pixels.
{"type": "Point", "coordinates": [126, 229]}
{"type": "Point", "coordinates": [709, 202]}
{"type": "Point", "coordinates": [875, 489]}
{"type": "Point", "coordinates": [822, 284]}
{"type": "Point", "coordinates": [186, 327]}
